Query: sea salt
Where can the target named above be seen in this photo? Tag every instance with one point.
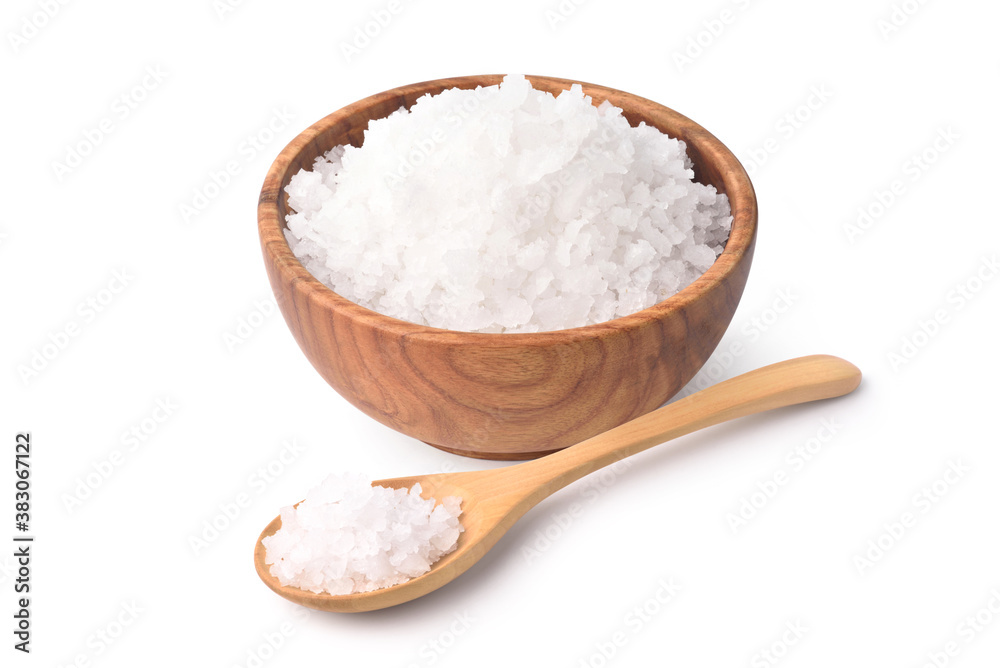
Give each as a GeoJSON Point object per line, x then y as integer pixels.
{"type": "Point", "coordinates": [349, 536]}
{"type": "Point", "coordinates": [506, 209]}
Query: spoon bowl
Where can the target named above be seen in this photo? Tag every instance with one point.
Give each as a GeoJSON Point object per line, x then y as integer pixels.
{"type": "Point", "coordinates": [483, 524]}
{"type": "Point", "coordinates": [493, 500]}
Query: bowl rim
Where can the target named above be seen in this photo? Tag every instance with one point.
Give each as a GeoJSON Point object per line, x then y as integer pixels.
{"type": "Point", "coordinates": [739, 189]}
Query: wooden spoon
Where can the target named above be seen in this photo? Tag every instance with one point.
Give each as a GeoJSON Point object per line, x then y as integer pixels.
{"type": "Point", "coordinates": [493, 500]}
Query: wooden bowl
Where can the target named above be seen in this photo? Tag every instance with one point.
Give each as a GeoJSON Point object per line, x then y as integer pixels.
{"type": "Point", "coordinates": [507, 396]}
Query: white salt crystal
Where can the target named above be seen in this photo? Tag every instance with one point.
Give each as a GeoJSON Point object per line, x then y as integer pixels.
{"type": "Point", "coordinates": [505, 209]}
{"type": "Point", "coordinates": [701, 257]}
{"type": "Point", "coordinates": [348, 536]}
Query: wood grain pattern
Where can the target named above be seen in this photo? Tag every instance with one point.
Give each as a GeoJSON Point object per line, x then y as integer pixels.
{"type": "Point", "coordinates": [493, 500]}
{"type": "Point", "coordinates": [507, 396]}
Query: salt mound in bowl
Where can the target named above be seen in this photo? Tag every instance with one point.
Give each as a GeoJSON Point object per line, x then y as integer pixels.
{"type": "Point", "coordinates": [507, 396]}
{"type": "Point", "coordinates": [506, 209]}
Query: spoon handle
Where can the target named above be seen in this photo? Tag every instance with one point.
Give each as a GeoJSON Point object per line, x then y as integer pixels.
{"type": "Point", "coordinates": [786, 383]}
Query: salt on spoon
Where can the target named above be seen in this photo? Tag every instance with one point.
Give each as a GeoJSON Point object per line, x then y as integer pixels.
{"type": "Point", "coordinates": [349, 536]}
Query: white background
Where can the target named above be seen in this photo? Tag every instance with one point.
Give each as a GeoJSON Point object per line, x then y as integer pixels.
{"type": "Point", "coordinates": [886, 95]}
